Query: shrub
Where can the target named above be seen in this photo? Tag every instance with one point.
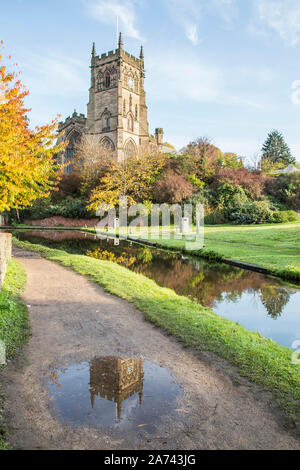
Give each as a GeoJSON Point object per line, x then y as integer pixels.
{"type": "Point", "coordinates": [215, 217]}
{"type": "Point", "coordinates": [43, 208]}
{"type": "Point", "coordinates": [285, 216]}
{"type": "Point", "coordinates": [229, 195]}
{"type": "Point", "coordinates": [285, 189]}
{"type": "Point", "coordinates": [252, 182]}
{"type": "Point", "coordinates": [254, 212]}
{"type": "Point", "coordinates": [172, 188]}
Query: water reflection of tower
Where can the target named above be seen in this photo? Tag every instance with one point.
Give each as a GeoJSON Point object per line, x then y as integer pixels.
{"type": "Point", "coordinates": [116, 379]}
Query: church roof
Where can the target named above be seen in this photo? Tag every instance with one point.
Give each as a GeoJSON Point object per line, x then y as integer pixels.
{"type": "Point", "coordinates": [291, 168]}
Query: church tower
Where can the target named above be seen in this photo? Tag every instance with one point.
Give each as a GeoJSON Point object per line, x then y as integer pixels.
{"type": "Point", "coordinates": [117, 110]}
{"type": "Point", "coordinates": [117, 106]}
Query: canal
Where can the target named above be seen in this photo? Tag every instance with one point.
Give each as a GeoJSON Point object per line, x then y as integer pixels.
{"type": "Point", "coordinates": [260, 303]}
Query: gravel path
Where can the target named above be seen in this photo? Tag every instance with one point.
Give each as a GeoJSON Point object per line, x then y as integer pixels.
{"type": "Point", "coordinates": [74, 320]}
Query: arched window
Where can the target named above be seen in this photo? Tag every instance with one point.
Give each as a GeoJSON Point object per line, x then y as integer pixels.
{"type": "Point", "coordinates": [106, 118]}
{"type": "Point", "coordinates": [107, 80]}
{"type": "Point", "coordinates": [124, 108]}
{"type": "Point", "coordinates": [73, 138]}
{"type": "Point", "coordinates": [130, 149]}
{"type": "Point", "coordinates": [130, 102]}
{"type": "Point", "coordinates": [136, 112]}
{"type": "Point", "coordinates": [130, 123]}
{"type": "Point", "coordinates": [106, 123]}
{"type": "Point", "coordinates": [108, 144]}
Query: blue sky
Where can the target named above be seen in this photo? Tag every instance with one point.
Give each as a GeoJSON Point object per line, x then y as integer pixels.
{"type": "Point", "coordinates": [226, 69]}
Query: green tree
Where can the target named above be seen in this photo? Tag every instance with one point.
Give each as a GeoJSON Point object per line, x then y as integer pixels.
{"type": "Point", "coordinates": [275, 150]}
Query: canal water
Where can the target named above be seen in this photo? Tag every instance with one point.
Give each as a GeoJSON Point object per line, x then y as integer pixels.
{"type": "Point", "coordinates": [256, 301]}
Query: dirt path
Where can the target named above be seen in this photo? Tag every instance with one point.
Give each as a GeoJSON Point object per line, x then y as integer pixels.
{"type": "Point", "coordinates": [73, 320]}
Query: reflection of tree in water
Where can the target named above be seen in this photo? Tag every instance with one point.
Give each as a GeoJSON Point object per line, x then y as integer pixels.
{"type": "Point", "coordinates": [274, 299]}
{"type": "Point", "coordinates": [206, 282]}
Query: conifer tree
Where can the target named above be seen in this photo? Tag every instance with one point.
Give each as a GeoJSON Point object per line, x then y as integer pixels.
{"type": "Point", "coordinates": [275, 149]}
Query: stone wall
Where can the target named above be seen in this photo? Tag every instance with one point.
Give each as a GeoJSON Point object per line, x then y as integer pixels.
{"type": "Point", "coordinates": [58, 220]}
{"type": "Point", "coordinates": [5, 254]}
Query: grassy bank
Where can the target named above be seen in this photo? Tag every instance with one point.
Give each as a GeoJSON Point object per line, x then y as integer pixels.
{"type": "Point", "coordinates": [259, 359]}
{"type": "Point", "coordinates": [274, 247]}
{"type": "Point", "coordinates": [14, 329]}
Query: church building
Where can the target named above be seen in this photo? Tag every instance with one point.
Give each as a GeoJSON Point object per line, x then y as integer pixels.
{"type": "Point", "coordinates": [117, 110]}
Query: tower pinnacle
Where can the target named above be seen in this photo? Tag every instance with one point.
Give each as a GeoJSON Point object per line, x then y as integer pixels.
{"type": "Point", "coordinates": [94, 50]}
{"type": "Point", "coordinates": [120, 41]}
{"type": "Point", "coordinates": [142, 53]}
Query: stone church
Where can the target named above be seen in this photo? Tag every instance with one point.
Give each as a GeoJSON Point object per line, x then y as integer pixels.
{"type": "Point", "coordinates": [117, 110]}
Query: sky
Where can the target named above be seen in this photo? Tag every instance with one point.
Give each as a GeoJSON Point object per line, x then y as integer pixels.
{"type": "Point", "coordinates": [224, 69]}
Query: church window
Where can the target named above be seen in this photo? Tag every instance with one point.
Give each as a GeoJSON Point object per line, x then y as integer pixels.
{"type": "Point", "coordinates": [107, 80]}
{"type": "Point", "coordinates": [108, 144]}
{"type": "Point", "coordinates": [106, 121]}
{"type": "Point", "coordinates": [73, 139]}
{"type": "Point", "coordinates": [130, 149]}
{"type": "Point", "coordinates": [130, 102]}
{"type": "Point", "coordinates": [124, 108]}
{"type": "Point", "coordinates": [136, 112]}
{"type": "Point", "coordinates": [130, 123]}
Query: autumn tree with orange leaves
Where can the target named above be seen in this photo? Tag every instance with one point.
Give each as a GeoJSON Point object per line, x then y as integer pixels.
{"type": "Point", "coordinates": [28, 170]}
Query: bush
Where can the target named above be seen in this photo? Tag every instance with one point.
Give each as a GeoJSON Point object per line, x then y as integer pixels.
{"type": "Point", "coordinates": [254, 212]}
{"type": "Point", "coordinates": [229, 195]}
{"type": "Point", "coordinates": [285, 189]}
{"type": "Point", "coordinates": [215, 217]}
{"type": "Point", "coordinates": [172, 188]}
{"type": "Point", "coordinates": [43, 208]}
{"type": "Point", "coordinates": [252, 182]}
{"type": "Point", "coordinates": [285, 216]}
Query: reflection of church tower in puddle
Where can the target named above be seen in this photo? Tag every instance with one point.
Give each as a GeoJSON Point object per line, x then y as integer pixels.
{"type": "Point", "coordinates": [116, 379]}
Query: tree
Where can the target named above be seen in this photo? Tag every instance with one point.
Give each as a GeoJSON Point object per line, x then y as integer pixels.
{"type": "Point", "coordinates": [253, 182]}
{"type": "Point", "coordinates": [276, 151]}
{"type": "Point", "coordinates": [92, 159]}
{"type": "Point", "coordinates": [209, 159]}
{"type": "Point", "coordinates": [133, 177]}
{"type": "Point", "coordinates": [172, 188]}
{"type": "Point", "coordinates": [27, 157]}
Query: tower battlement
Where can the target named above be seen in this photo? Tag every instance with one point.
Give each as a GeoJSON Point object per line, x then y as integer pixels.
{"type": "Point", "coordinates": [117, 109]}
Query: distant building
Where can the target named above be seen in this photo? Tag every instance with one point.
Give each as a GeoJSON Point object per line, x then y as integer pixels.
{"type": "Point", "coordinates": [117, 110]}
{"type": "Point", "coordinates": [289, 169]}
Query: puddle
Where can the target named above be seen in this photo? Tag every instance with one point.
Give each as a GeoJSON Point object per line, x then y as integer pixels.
{"type": "Point", "coordinates": [111, 392]}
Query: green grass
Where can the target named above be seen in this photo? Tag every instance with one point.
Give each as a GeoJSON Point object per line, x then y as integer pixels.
{"type": "Point", "coordinates": [14, 327]}
{"type": "Point", "coordinates": [273, 246]}
{"type": "Point", "coordinates": [259, 359]}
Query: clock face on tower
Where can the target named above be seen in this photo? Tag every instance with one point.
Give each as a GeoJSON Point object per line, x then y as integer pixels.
{"type": "Point", "coordinates": [130, 82]}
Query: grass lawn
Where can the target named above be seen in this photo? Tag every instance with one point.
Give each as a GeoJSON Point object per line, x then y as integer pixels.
{"type": "Point", "coordinates": [259, 359]}
{"type": "Point", "coordinates": [273, 246]}
{"type": "Point", "coordinates": [14, 328]}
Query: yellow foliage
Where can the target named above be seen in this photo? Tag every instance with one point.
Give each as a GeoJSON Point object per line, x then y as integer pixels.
{"type": "Point", "coordinates": [28, 170]}
{"type": "Point", "coordinates": [131, 178]}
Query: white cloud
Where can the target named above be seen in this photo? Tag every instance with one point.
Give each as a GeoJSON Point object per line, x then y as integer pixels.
{"type": "Point", "coordinates": [53, 74]}
{"type": "Point", "coordinates": [198, 81]}
{"type": "Point", "coordinates": [280, 16]}
{"type": "Point", "coordinates": [191, 80]}
{"type": "Point", "coordinates": [295, 97]}
{"type": "Point", "coordinates": [191, 32]}
{"type": "Point", "coordinates": [107, 11]}
{"type": "Point", "coordinates": [227, 9]}
{"type": "Point", "coordinates": [187, 14]}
